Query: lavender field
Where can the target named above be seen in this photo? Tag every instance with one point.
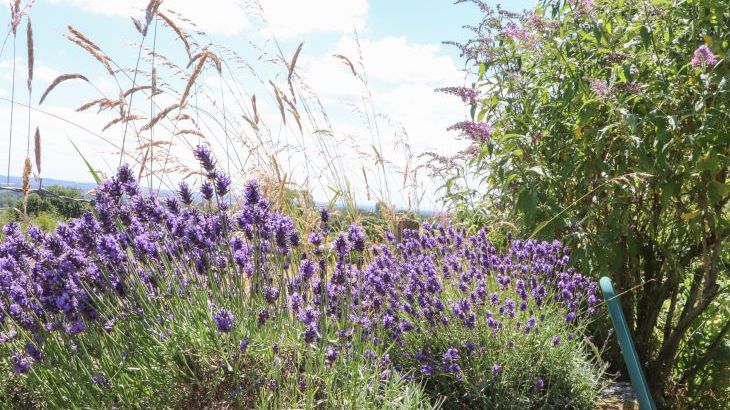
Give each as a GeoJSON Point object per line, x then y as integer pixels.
{"type": "Point", "coordinates": [287, 206]}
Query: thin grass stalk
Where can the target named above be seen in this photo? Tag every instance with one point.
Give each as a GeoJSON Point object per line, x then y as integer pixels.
{"type": "Point", "coordinates": [131, 96]}
{"type": "Point", "coordinates": [12, 110]}
{"type": "Point", "coordinates": [37, 152]}
{"type": "Point", "coordinates": [26, 184]}
{"type": "Point", "coordinates": [152, 103]}
{"type": "Point", "coordinates": [31, 61]}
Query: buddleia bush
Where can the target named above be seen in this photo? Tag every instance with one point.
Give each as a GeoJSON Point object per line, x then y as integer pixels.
{"type": "Point", "coordinates": [605, 123]}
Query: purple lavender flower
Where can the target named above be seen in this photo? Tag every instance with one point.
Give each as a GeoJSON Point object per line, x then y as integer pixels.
{"type": "Point", "coordinates": [703, 56]}
{"type": "Point", "coordinates": [330, 355]}
{"type": "Point", "coordinates": [206, 190]}
{"type": "Point", "coordinates": [33, 351]}
{"type": "Point", "coordinates": [450, 362]}
{"type": "Point", "coordinates": [341, 246]}
{"type": "Point", "coordinates": [539, 384]}
{"type": "Point", "coordinates": [271, 294]}
{"type": "Point", "coordinates": [186, 196]}
{"type": "Point", "coordinates": [101, 380]}
{"type": "Point", "coordinates": [224, 320]}
{"type": "Point", "coordinates": [252, 192]}
{"type": "Point", "coordinates": [315, 239]}
{"type": "Point", "coordinates": [451, 355]}
{"type": "Point", "coordinates": [222, 183]}
{"type": "Point", "coordinates": [311, 335]}
{"type": "Point", "coordinates": [324, 216]}
{"type": "Point", "coordinates": [496, 368]}
{"type": "Point", "coordinates": [356, 236]}
{"type": "Point", "coordinates": [263, 316]}
{"type": "Point", "coordinates": [295, 302]}
{"type": "Point", "coordinates": [570, 317]}
{"type": "Point", "coordinates": [369, 354]}
{"type": "Point", "coordinates": [307, 269]}
{"type": "Point", "coordinates": [203, 155]}
{"type": "Point", "coordinates": [21, 363]}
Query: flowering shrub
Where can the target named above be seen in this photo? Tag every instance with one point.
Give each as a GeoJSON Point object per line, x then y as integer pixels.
{"type": "Point", "coordinates": [145, 300]}
{"type": "Point", "coordinates": [608, 124]}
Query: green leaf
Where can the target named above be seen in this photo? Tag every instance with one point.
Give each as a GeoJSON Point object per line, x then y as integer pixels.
{"type": "Point", "coordinates": [527, 202]}
{"type": "Point", "coordinates": [688, 216]}
{"type": "Point", "coordinates": [707, 162]}
{"type": "Point", "coordinates": [482, 70]}
{"type": "Point", "coordinates": [718, 191]}
{"type": "Point", "coordinates": [668, 191]}
{"type": "Point", "coordinates": [91, 169]}
{"type": "Point", "coordinates": [538, 170]}
{"type": "Point", "coordinates": [645, 36]}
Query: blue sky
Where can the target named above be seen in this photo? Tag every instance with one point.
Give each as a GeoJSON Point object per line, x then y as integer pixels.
{"type": "Point", "coordinates": [400, 42]}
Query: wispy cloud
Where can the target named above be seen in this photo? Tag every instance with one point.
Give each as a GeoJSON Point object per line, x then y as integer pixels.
{"type": "Point", "coordinates": [287, 18]}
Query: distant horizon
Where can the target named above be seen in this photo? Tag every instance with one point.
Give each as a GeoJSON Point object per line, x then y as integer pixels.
{"type": "Point", "coordinates": [16, 181]}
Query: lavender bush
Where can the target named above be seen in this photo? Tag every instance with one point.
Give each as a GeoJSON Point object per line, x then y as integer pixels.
{"type": "Point", "coordinates": [161, 302]}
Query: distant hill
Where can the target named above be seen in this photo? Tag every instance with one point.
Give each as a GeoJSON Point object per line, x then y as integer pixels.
{"type": "Point", "coordinates": [18, 181]}
{"type": "Point", "coordinates": [85, 187]}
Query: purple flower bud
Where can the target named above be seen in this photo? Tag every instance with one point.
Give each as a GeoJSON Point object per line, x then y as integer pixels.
{"type": "Point", "coordinates": [186, 196]}
{"type": "Point", "coordinates": [203, 155]}
{"type": "Point", "coordinates": [252, 192]}
{"type": "Point", "coordinates": [222, 184]}
{"type": "Point", "coordinates": [324, 216]}
{"type": "Point", "coordinates": [206, 190]}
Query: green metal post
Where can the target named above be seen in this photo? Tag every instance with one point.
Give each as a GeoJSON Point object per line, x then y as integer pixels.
{"type": "Point", "coordinates": [638, 381]}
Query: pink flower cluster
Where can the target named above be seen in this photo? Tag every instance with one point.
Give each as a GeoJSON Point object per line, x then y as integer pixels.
{"type": "Point", "coordinates": [518, 33]}
{"type": "Point", "coordinates": [475, 130]}
{"type": "Point", "coordinates": [467, 95]}
{"type": "Point", "coordinates": [583, 7]}
{"type": "Point", "coordinates": [703, 57]}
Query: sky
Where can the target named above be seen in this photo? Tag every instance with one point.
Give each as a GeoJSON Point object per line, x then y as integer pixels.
{"type": "Point", "coordinates": [402, 59]}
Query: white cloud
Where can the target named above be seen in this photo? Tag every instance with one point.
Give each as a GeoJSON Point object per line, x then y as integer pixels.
{"type": "Point", "coordinates": [59, 159]}
{"type": "Point", "coordinates": [391, 62]}
{"type": "Point", "coordinates": [396, 60]}
{"type": "Point", "coordinates": [225, 17]}
{"type": "Point", "coordinates": [425, 116]}
{"type": "Point", "coordinates": [289, 18]}
{"type": "Point", "coordinates": [402, 76]}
